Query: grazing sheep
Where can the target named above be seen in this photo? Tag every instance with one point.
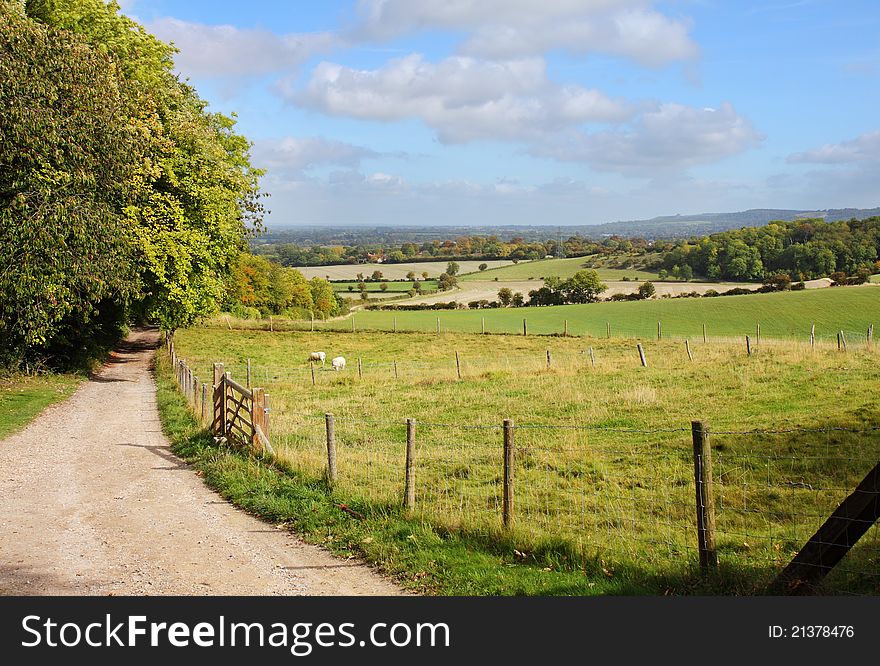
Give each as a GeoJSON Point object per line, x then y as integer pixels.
{"type": "Point", "coordinates": [314, 357]}
{"type": "Point", "coordinates": [338, 363]}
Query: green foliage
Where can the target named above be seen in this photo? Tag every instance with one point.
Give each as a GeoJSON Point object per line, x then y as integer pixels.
{"type": "Point", "coordinates": [583, 287]}
{"type": "Point", "coordinates": [802, 249]}
{"type": "Point", "coordinates": [646, 290]}
{"type": "Point", "coordinates": [120, 195]}
{"type": "Point", "coordinates": [67, 155]}
{"type": "Point", "coordinates": [452, 268]}
{"type": "Point", "coordinates": [446, 282]}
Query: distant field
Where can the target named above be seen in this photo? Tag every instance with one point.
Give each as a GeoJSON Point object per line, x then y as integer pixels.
{"type": "Point", "coordinates": [22, 398]}
{"type": "Point", "coordinates": [392, 271]}
{"type": "Point", "coordinates": [565, 268]}
{"type": "Point", "coordinates": [875, 279]}
{"type": "Point", "coordinates": [782, 315]}
{"type": "Point", "coordinates": [397, 287]}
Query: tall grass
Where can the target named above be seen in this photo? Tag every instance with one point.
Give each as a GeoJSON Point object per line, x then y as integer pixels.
{"type": "Point", "coordinates": [603, 450]}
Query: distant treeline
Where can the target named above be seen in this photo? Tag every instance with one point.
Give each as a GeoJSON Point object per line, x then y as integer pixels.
{"type": "Point", "coordinates": [460, 248]}
{"type": "Point", "coordinates": [802, 250]}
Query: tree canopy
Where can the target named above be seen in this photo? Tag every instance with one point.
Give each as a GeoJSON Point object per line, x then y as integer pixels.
{"type": "Point", "coordinates": [120, 194]}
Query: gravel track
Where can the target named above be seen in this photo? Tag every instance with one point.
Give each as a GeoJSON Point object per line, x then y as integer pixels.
{"type": "Point", "coordinates": [93, 502]}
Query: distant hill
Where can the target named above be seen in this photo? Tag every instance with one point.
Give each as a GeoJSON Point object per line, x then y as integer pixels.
{"type": "Point", "coordinates": [679, 226]}
{"type": "Point", "coordinates": [663, 227]}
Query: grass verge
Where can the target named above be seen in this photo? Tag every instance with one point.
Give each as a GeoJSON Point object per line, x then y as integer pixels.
{"type": "Point", "coordinates": [23, 397]}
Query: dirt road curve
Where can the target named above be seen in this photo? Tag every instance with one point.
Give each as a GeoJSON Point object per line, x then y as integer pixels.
{"type": "Point", "coordinates": [93, 502]}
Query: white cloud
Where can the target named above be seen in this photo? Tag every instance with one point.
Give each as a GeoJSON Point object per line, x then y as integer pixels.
{"type": "Point", "coordinates": [288, 160]}
{"type": "Point", "coordinates": [669, 138]}
{"type": "Point", "coordinates": [521, 28]}
{"type": "Point", "coordinates": [462, 99]}
{"type": "Point", "coordinates": [216, 51]}
{"type": "Point", "coordinates": [864, 148]}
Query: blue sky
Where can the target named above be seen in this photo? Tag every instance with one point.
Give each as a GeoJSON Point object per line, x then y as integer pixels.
{"type": "Point", "coordinates": [539, 111]}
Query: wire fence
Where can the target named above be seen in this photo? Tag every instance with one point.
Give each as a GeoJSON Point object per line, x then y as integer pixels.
{"type": "Point", "coordinates": [593, 492]}
{"type": "Point", "coordinates": [530, 324]}
{"type": "Point", "coordinates": [630, 501]}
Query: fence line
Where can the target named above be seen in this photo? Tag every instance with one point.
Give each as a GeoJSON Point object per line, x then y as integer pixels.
{"type": "Point", "coordinates": [809, 337]}
{"type": "Point", "coordinates": [602, 490]}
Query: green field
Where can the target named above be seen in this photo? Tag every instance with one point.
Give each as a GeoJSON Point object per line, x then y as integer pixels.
{"type": "Point", "coordinates": [23, 397]}
{"type": "Point", "coordinates": [781, 315]}
{"type": "Point", "coordinates": [565, 268]}
{"type": "Point", "coordinates": [604, 487]}
{"type": "Point", "coordinates": [395, 287]}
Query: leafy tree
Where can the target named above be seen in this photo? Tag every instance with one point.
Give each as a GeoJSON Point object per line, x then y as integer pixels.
{"type": "Point", "coordinates": [411, 275]}
{"type": "Point", "coordinates": [67, 160]}
{"type": "Point", "coordinates": [517, 301]}
{"type": "Point", "coordinates": [646, 290]}
{"type": "Point", "coordinates": [376, 276]}
{"type": "Point", "coordinates": [483, 267]}
{"type": "Point", "coordinates": [505, 296]}
{"type": "Point", "coordinates": [446, 281]}
{"type": "Point", "coordinates": [452, 268]}
{"type": "Point", "coordinates": [583, 287]}
{"type": "Point", "coordinates": [779, 281]}
{"type": "Point", "coordinates": [383, 286]}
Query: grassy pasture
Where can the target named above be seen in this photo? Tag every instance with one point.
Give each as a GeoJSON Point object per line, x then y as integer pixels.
{"type": "Point", "coordinates": [604, 469]}
{"type": "Point", "coordinates": [565, 268]}
{"type": "Point", "coordinates": [786, 315]}
{"type": "Point", "coordinates": [393, 271]}
{"type": "Point", "coordinates": [23, 397]}
{"type": "Point", "coordinates": [396, 287]}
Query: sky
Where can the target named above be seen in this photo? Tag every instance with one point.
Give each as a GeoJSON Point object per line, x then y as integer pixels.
{"type": "Point", "coordinates": [558, 112]}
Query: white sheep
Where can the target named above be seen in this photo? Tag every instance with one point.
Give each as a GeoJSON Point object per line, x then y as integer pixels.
{"type": "Point", "coordinates": [338, 363]}
{"type": "Point", "coordinates": [314, 357]}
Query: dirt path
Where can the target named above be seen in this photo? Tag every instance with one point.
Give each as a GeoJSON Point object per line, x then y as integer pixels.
{"type": "Point", "coordinates": [93, 502]}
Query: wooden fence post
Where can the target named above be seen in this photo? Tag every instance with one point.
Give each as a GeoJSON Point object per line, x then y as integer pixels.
{"type": "Point", "coordinates": [659, 331]}
{"type": "Point", "coordinates": [642, 356]}
{"type": "Point", "coordinates": [841, 338]}
{"type": "Point", "coordinates": [812, 336]}
{"type": "Point", "coordinates": [218, 424]}
{"type": "Point", "coordinates": [312, 366]}
{"type": "Point", "coordinates": [409, 495]}
{"type": "Point", "coordinates": [704, 333]}
{"type": "Point", "coordinates": [458, 364]}
{"type": "Point", "coordinates": [483, 324]}
{"type": "Point", "coordinates": [248, 373]}
{"type": "Point", "coordinates": [259, 415]}
{"type": "Point", "coordinates": [565, 328]}
{"type": "Point", "coordinates": [757, 334]}
{"type": "Point", "coordinates": [438, 325]}
{"type": "Point", "coordinates": [360, 369]}
{"type": "Point", "coordinates": [204, 401]}
{"type": "Point", "coordinates": [548, 359]}
{"type": "Point", "coordinates": [525, 327]}
{"type": "Point", "coordinates": [395, 369]}
{"type": "Point", "coordinates": [509, 460]}
{"type": "Point", "coordinates": [748, 345]}
{"type": "Point", "coordinates": [687, 346]}
{"type": "Point", "coordinates": [394, 326]}
{"type": "Point", "coordinates": [312, 322]}
{"type": "Point", "coordinates": [705, 496]}
{"type": "Point", "coordinates": [331, 448]}
{"type": "Point", "coordinates": [271, 325]}
{"type": "Point", "coordinates": [607, 329]}
{"type": "Point", "coordinates": [592, 358]}
{"type": "Point", "coordinates": [352, 324]}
